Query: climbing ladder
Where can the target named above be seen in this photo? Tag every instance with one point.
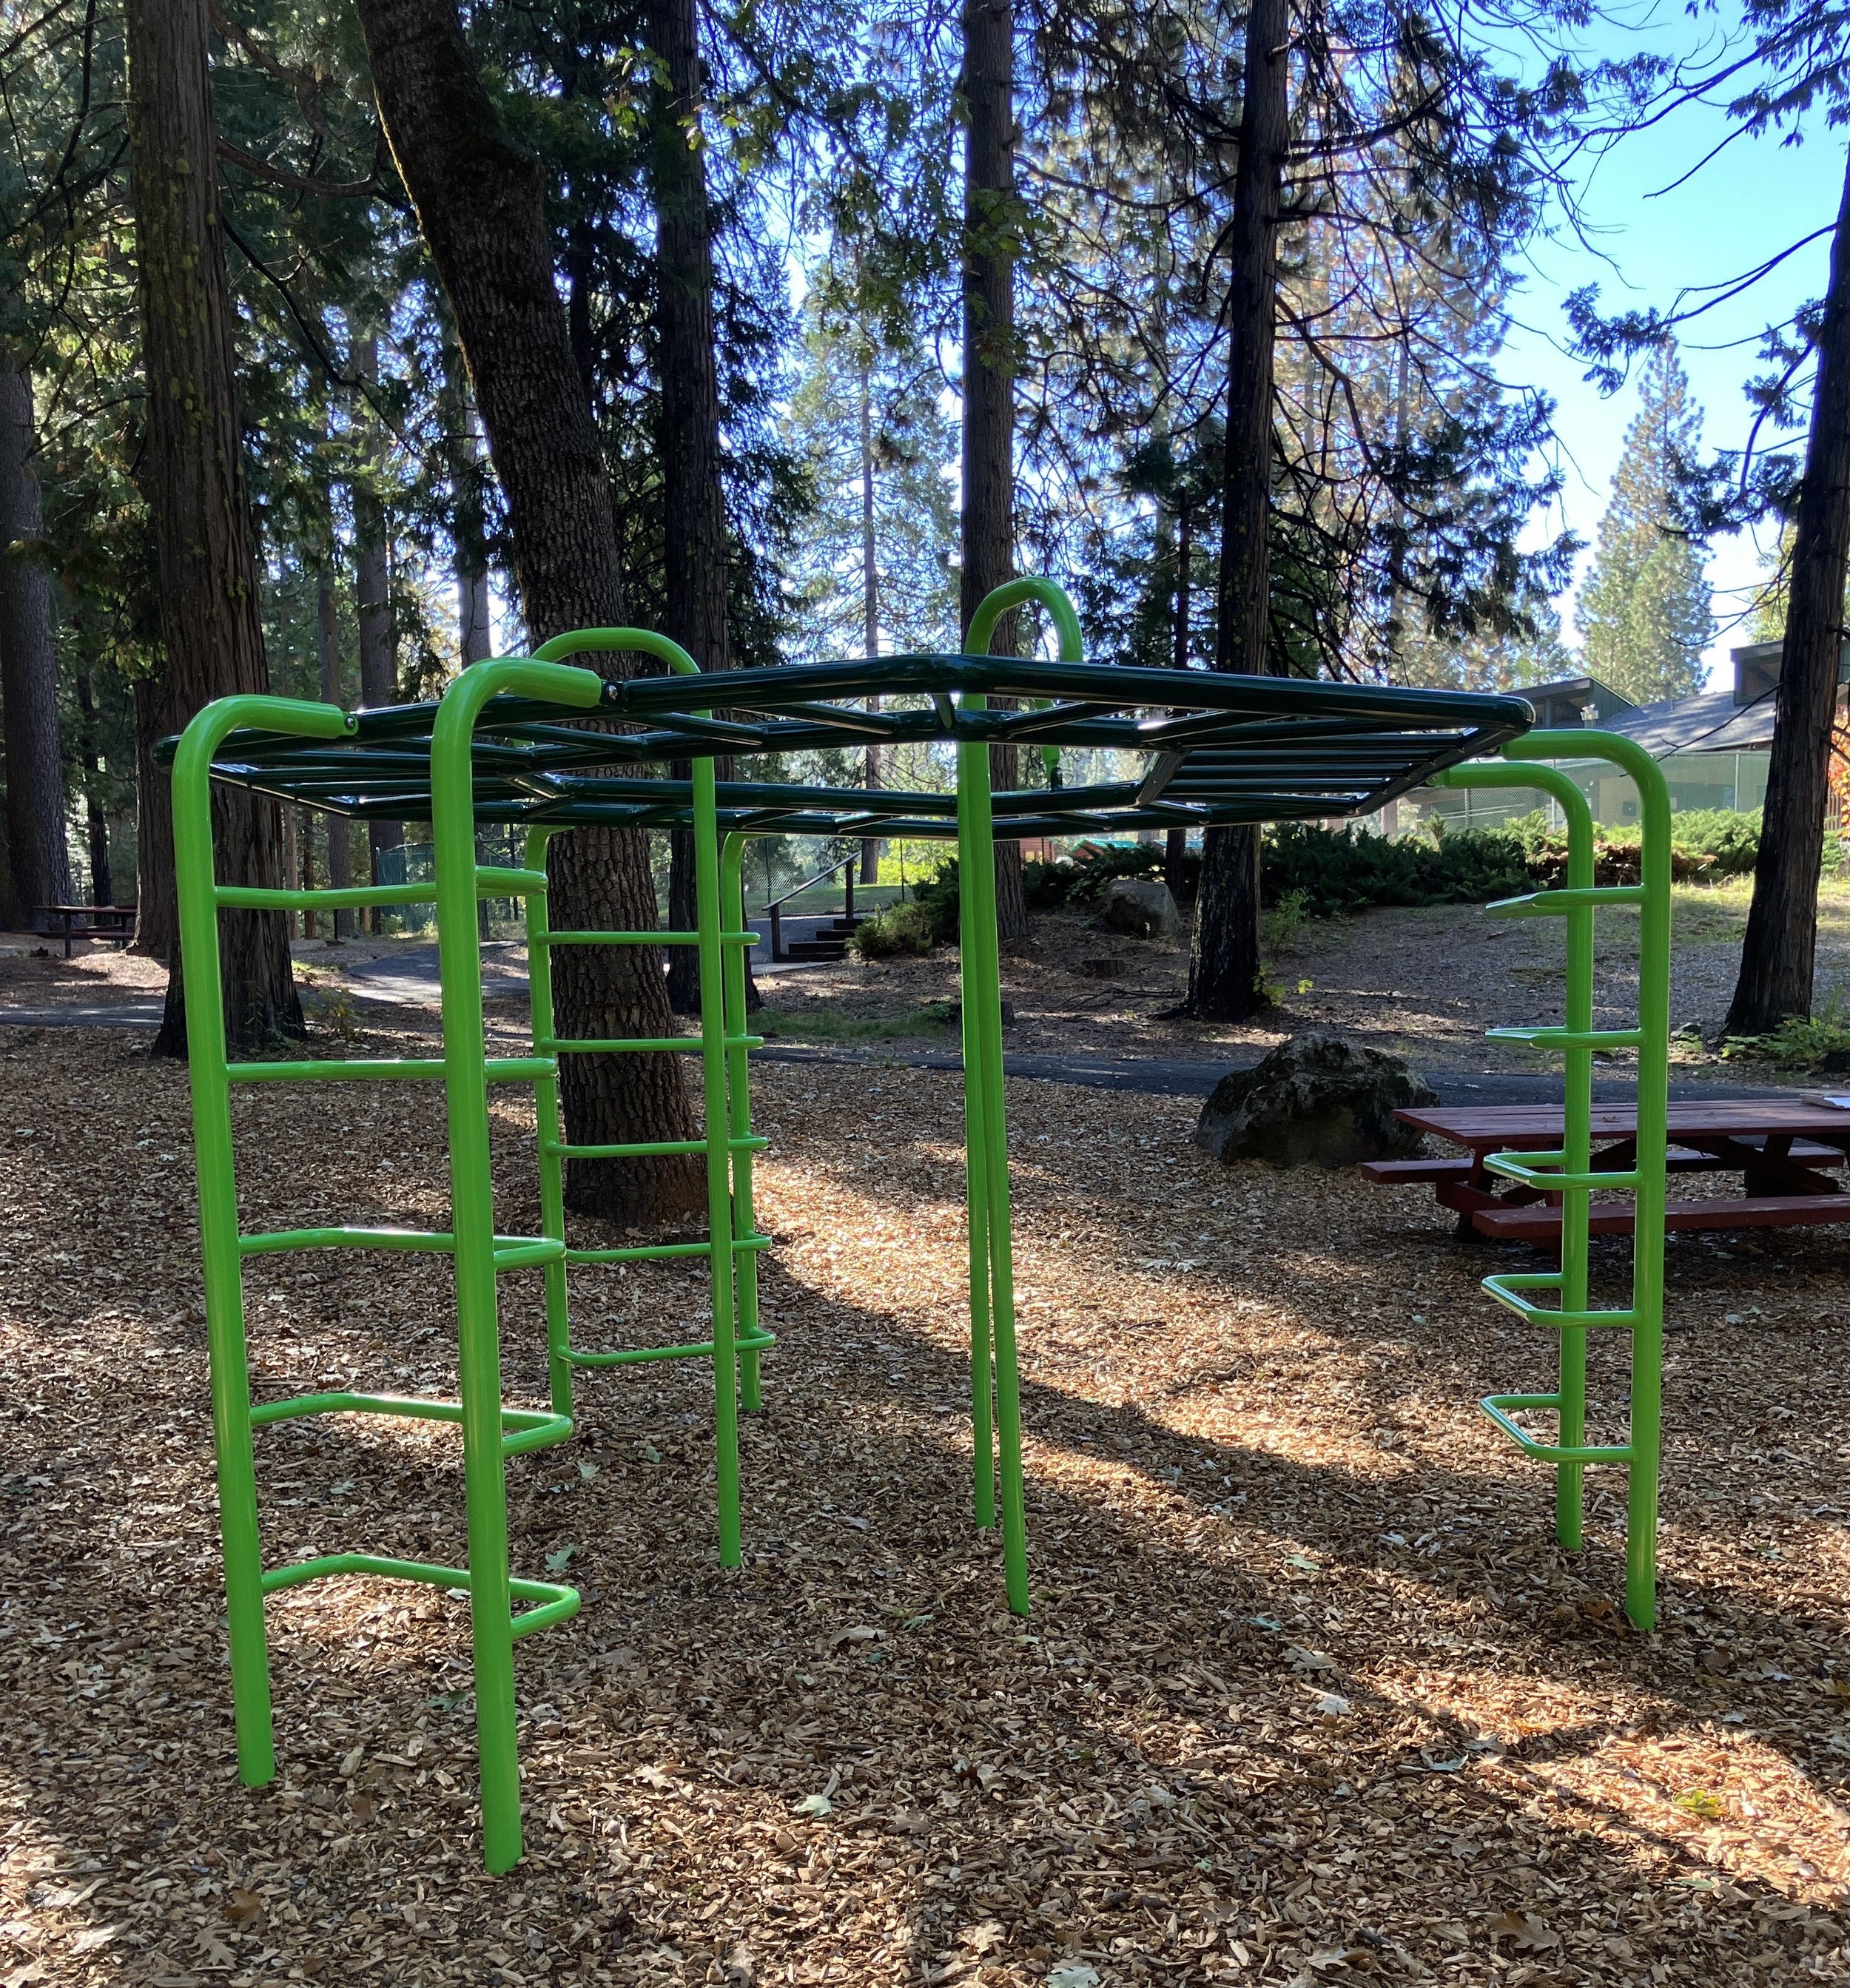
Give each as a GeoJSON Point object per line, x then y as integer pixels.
{"type": "Point", "coordinates": [491, 1432]}
{"type": "Point", "coordinates": [1570, 1172]}
{"type": "Point", "coordinates": [732, 1245]}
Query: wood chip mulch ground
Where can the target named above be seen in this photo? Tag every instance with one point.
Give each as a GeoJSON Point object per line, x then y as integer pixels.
{"type": "Point", "coordinates": [1307, 1696]}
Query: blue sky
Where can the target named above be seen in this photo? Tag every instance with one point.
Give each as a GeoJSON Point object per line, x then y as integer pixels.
{"type": "Point", "coordinates": [1645, 245]}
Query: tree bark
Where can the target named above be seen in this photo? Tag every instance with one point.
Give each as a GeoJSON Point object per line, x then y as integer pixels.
{"type": "Point", "coordinates": [156, 908]}
{"type": "Point", "coordinates": [693, 536]}
{"type": "Point", "coordinates": [193, 477]}
{"type": "Point", "coordinates": [327, 658]}
{"type": "Point", "coordinates": [96, 816]}
{"type": "Point", "coordinates": [1175, 842]}
{"type": "Point", "coordinates": [373, 597]}
{"type": "Point", "coordinates": [1779, 949]}
{"type": "Point", "coordinates": [1224, 960]}
{"type": "Point", "coordinates": [480, 202]}
{"type": "Point", "coordinates": [991, 224]}
{"type": "Point", "coordinates": [870, 590]}
{"type": "Point", "coordinates": [29, 670]}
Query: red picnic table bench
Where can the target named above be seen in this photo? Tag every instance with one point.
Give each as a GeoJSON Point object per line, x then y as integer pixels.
{"type": "Point", "coordinates": [1782, 1149]}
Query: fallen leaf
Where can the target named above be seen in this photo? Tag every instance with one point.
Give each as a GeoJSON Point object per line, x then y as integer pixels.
{"type": "Point", "coordinates": [861, 1634]}
{"type": "Point", "coordinates": [817, 1806]}
{"type": "Point", "coordinates": [1522, 1930]}
{"type": "Point", "coordinates": [242, 1907]}
{"type": "Point", "coordinates": [557, 1563]}
{"type": "Point", "coordinates": [92, 1937]}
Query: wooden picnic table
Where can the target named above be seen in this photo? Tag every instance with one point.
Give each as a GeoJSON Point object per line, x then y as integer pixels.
{"type": "Point", "coordinates": [1784, 1149]}
{"type": "Point", "coordinates": [115, 922]}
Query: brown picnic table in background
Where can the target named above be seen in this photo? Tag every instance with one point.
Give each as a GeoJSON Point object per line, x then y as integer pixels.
{"type": "Point", "coordinates": [114, 922]}
{"type": "Point", "coordinates": [1785, 1151]}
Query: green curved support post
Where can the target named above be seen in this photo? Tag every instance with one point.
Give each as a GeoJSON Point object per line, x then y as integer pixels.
{"type": "Point", "coordinates": [995, 1381]}
{"type": "Point", "coordinates": [1570, 1172]}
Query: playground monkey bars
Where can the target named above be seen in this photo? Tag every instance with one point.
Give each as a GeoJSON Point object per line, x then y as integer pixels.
{"type": "Point", "coordinates": [1221, 750]}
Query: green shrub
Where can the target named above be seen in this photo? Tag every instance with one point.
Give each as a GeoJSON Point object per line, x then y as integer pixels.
{"type": "Point", "coordinates": [1334, 870]}
{"type": "Point", "coordinates": [899, 929]}
{"type": "Point", "coordinates": [937, 897]}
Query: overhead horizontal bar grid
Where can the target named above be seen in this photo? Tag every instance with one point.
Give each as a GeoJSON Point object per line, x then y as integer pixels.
{"type": "Point", "coordinates": [1223, 748]}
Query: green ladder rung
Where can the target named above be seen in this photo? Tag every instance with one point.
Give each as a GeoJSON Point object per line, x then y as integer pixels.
{"type": "Point", "coordinates": [744, 1342]}
{"type": "Point", "coordinates": [373, 1070]}
{"type": "Point", "coordinates": [647, 1148]}
{"type": "Point", "coordinates": [1535, 1170]}
{"type": "Point", "coordinates": [1494, 1406]}
{"type": "Point", "coordinates": [638, 1045]}
{"type": "Point", "coordinates": [1558, 904]}
{"type": "Point", "coordinates": [355, 896]}
{"type": "Point", "coordinates": [511, 1253]}
{"type": "Point", "coordinates": [638, 938]}
{"type": "Point", "coordinates": [493, 883]}
{"type": "Point", "coordinates": [1507, 1285]}
{"type": "Point", "coordinates": [1569, 1039]}
{"type": "Point", "coordinates": [558, 1603]}
{"type": "Point", "coordinates": [658, 1251]}
{"type": "Point", "coordinates": [522, 1429]}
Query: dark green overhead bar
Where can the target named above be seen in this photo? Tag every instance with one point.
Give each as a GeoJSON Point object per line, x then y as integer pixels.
{"type": "Point", "coordinates": [498, 748]}
{"type": "Point", "coordinates": [1221, 749]}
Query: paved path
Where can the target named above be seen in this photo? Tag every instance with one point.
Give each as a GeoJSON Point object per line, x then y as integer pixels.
{"type": "Point", "coordinates": [1158, 1077]}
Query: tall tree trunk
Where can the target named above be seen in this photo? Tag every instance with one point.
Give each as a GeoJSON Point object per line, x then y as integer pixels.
{"type": "Point", "coordinates": [193, 477]}
{"type": "Point", "coordinates": [1175, 843]}
{"type": "Point", "coordinates": [96, 817]}
{"type": "Point", "coordinates": [29, 670]}
{"type": "Point", "coordinates": [372, 596]}
{"type": "Point", "coordinates": [156, 908]}
{"type": "Point", "coordinates": [693, 523]}
{"type": "Point", "coordinates": [1224, 961]}
{"type": "Point", "coordinates": [1782, 940]}
{"type": "Point", "coordinates": [327, 658]}
{"type": "Point", "coordinates": [870, 589]}
{"type": "Point", "coordinates": [992, 227]}
{"type": "Point", "coordinates": [480, 200]}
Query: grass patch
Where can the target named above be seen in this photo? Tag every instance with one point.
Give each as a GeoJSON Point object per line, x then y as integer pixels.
{"type": "Point", "coordinates": [822, 1024]}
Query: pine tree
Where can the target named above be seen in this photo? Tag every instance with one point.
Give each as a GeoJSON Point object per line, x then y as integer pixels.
{"type": "Point", "coordinates": [1645, 616]}
{"type": "Point", "coordinates": [878, 446]}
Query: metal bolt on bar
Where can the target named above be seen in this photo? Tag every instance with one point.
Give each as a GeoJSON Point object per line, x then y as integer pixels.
{"type": "Point", "coordinates": [1571, 1172]}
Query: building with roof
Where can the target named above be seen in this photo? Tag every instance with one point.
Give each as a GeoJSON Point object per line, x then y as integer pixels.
{"type": "Point", "coordinates": [1713, 747]}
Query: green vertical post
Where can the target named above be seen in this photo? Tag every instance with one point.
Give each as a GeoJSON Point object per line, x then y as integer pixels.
{"type": "Point", "coordinates": [1653, 1139]}
{"type": "Point", "coordinates": [718, 1157]}
{"type": "Point", "coordinates": [1641, 1454]}
{"type": "Point", "coordinates": [1577, 1143]}
{"type": "Point", "coordinates": [549, 1126]}
{"type": "Point", "coordinates": [196, 881]}
{"type": "Point", "coordinates": [739, 1088]}
{"type": "Point", "coordinates": [472, 1218]}
{"type": "Point", "coordinates": [993, 1363]}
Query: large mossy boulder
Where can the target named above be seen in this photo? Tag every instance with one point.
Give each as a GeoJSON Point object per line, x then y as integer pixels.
{"type": "Point", "coordinates": [1318, 1100]}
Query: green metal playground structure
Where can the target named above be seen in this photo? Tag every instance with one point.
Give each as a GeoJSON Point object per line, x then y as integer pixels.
{"type": "Point", "coordinates": [500, 748]}
{"type": "Point", "coordinates": [1570, 1173]}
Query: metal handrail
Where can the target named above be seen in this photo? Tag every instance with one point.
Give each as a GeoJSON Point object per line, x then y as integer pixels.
{"type": "Point", "coordinates": [774, 909]}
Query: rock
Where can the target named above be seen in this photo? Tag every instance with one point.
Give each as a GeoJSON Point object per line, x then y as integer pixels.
{"type": "Point", "coordinates": [1317, 1100]}
{"type": "Point", "coordinates": [1141, 905]}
